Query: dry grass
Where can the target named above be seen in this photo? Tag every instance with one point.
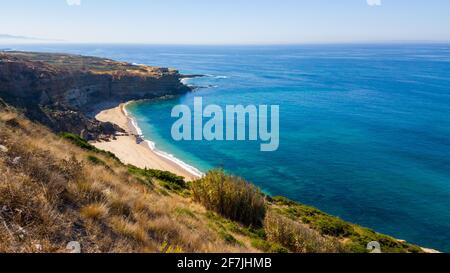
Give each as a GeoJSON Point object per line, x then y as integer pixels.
{"type": "Point", "coordinates": [50, 195]}
{"type": "Point", "coordinates": [94, 211]}
{"type": "Point", "coordinates": [129, 229]}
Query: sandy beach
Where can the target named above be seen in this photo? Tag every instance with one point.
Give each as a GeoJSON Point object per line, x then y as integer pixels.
{"type": "Point", "coordinates": [129, 151]}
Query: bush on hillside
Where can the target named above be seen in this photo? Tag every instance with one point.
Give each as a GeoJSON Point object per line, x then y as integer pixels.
{"type": "Point", "coordinates": [165, 176]}
{"type": "Point", "coordinates": [231, 197]}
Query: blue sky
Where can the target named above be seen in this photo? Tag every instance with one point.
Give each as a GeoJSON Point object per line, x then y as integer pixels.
{"type": "Point", "coordinates": [227, 22]}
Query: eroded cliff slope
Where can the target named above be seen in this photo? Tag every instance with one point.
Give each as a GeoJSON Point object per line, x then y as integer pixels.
{"type": "Point", "coordinates": [59, 89]}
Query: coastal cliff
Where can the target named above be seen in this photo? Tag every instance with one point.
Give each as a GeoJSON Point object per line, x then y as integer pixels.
{"type": "Point", "coordinates": [59, 90]}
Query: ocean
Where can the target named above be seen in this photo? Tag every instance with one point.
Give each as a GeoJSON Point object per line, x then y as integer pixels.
{"type": "Point", "coordinates": [364, 129]}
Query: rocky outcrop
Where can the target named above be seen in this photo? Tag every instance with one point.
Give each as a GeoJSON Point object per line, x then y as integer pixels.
{"type": "Point", "coordinates": [59, 90]}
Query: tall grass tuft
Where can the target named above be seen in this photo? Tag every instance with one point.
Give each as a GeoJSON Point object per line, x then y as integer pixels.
{"type": "Point", "coordinates": [231, 197]}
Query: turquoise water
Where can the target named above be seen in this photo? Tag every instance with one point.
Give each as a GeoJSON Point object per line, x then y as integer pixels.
{"type": "Point", "coordinates": [364, 128]}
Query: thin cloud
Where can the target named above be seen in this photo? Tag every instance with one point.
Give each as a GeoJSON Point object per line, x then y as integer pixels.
{"type": "Point", "coordinates": [14, 37]}
{"type": "Point", "coordinates": [9, 37]}
{"type": "Point", "coordinates": [374, 3]}
{"type": "Point", "coordinates": [73, 2]}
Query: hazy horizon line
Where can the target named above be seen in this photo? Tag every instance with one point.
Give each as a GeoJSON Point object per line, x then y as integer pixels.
{"type": "Point", "coordinates": [362, 42]}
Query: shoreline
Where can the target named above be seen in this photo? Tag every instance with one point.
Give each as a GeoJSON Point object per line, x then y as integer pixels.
{"type": "Point", "coordinates": [132, 148]}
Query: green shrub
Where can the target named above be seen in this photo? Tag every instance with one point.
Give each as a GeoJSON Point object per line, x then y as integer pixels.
{"type": "Point", "coordinates": [324, 223]}
{"type": "Point", "coordinates": [281, 200]}
{"type": "Point", "coordinates": [170, 181]}
{"type": "Point", "coordinates": [333, 227]}
{"type": "Point", "coordinates": [78, 141]}
{"type": "Point", "coordinates": [231, 197]}
{"type": "Point", "coordinates": [228, 238]}
{"type": "Point", "coordinates": [268, 247]}
{"type": "Point", "coordinates": [362, 236]}
{"type": "Point", "coordinates": [297, 237]}
{"type": "Point", "coordinates": [83, 144]}
{"type": "Point", "coordinates": [95, 160]}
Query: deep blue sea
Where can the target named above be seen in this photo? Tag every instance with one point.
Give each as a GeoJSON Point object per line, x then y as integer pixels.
{"type": "Point", "coordinates": [365, 129]}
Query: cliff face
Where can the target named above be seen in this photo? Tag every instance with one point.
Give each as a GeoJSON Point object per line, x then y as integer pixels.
{"type": "Point", "coordinates": [58, 90]}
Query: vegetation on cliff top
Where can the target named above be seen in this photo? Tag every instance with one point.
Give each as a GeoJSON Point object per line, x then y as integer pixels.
{"type": "Point", "coordinates": [76, 63]}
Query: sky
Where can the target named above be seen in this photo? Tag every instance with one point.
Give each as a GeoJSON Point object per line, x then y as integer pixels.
{"type": "Point", "coordinates": [224, 21]}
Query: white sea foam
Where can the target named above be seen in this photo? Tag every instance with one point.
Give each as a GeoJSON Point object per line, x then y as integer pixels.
{"type": "Point", "coordinates": [152, 146]}
{"type": "Point", "coordinates": [177, 161]}
{"type": "Point", "coordinates": [136, 127]}
{"type": "Point", "coordinates": [216, 76]}
{"type": "Point", "coordinates": [133, 122]}
{"type": "Point", "coordinates": [185, 81]}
